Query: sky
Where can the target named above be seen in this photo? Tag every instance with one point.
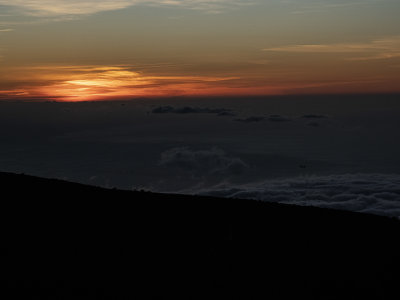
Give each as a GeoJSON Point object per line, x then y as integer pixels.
{"type": "Point", "coordinates": [293, 101]}
{"type": "Point", "coordinates": [69, 50]}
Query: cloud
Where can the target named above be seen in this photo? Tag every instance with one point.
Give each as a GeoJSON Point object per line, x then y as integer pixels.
{"type": "Point", "coordinates": [367, 193]}
{"type": "Point", "coordinates": [49, 8]}
{"type": "Point", "coordinates": [251, 120]}
{"type": "Point", "coordinates": [384, 48]}
{"type": "Point", "coordinates": [6, 30]}
{"type": "Point", "coordinates": [311, 116]}
{"type": "Point", "coordinates": [226, 113]}
{"type": "Point", "coordinates": [202, 163]}
{"type": "Point", "coordinates": [320, 7]}
{"type": "Point", "coordinates": [191, 110]}
{"type": "Point", "coordinates": [278, 118]}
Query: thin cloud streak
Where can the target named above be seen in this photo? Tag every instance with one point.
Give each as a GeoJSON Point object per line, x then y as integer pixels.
{"type": "Point", "coordinates": [321, 7]}
{"type": "Point", "coordinates": [47, 8]}
{"type": "Point", "coordinates": [384, 48]}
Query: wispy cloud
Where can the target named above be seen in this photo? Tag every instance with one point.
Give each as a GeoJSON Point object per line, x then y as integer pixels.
{"type": "Point", "coordinates": [384, 48]}
{"type": "Point", "coordinates": [48, 8]}
{"type": "Point", "coordinates": [312, 7]}
{"type": "Point", "coordinates": [6, 30]}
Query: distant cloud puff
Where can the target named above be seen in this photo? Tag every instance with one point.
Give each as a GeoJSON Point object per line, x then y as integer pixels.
{"type": "Point", "coordinates": [163, 110]}
{"type": "Point", "coordinates": [227, 113]}
{"type": "Point", "coordinates": [368, 193]}
{"type": "Point", "coordinates": [278, 118]}
{"type": "Point", "coordinates": [203, 162]}
{"type": "Point", "coordinates": [311, 116]}
{"type": "Point", "coordinates": [272, 118]}
{"type": "Point", "coordinates": [250, 119]}
{"type": "Point", "coordinates": [192, 110]}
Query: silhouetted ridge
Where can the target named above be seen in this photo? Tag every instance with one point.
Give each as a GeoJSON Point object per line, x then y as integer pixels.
{"type": "Point", "coordinates": [63, 240]}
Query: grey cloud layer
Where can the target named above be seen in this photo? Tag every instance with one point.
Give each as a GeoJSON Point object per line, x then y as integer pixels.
{"type": "Point", "coordinates": [367, 193]}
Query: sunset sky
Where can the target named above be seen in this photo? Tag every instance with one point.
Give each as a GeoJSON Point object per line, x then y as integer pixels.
{"type": "Point", "coordinates": [72, 50]}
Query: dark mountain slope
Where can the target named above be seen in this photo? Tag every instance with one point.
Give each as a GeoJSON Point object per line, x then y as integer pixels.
{"type": "Point", "coordinates": [62, 240]}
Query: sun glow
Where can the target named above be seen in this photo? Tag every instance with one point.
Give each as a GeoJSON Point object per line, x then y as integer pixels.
{"type": "Point", "coordinates": [96, 83]}
{"type": "Point", "coordinates": [89, 83]}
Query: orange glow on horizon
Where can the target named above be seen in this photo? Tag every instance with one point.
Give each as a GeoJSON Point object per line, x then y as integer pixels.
{"type": "Point", "coordinates": [75, 83]}
{"type": "Point", "coordinates": [96, 83]}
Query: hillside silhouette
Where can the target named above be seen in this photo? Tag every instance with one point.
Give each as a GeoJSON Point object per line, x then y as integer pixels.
{"type": "Point", "coordinates": [62, 240]}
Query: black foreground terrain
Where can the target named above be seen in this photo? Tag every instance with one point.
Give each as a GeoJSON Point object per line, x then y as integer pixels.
{"type": "Point", "coordinates": [62, 240]}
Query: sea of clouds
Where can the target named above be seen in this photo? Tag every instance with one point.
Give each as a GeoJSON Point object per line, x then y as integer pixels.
{"type": "Point", "coordinates": [367, 193]}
